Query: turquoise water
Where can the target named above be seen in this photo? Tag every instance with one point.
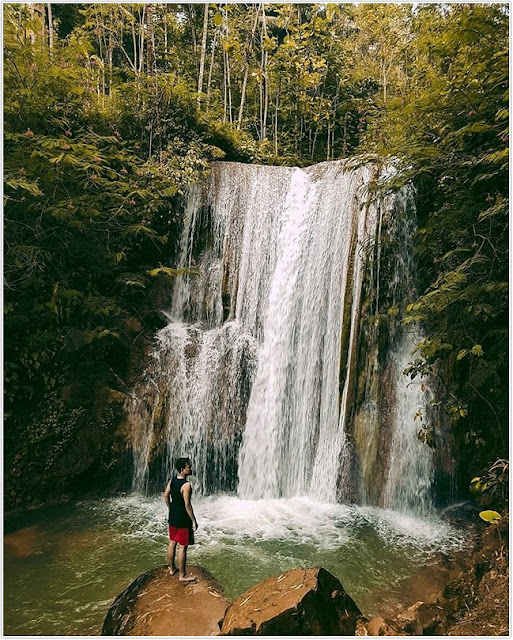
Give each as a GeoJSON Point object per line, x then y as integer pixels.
{"type": "Point", "coordinates": [63, 566]}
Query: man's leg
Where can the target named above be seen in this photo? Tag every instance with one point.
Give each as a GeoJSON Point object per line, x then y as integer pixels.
{"type": "Point", "coordinates": [171, 550]}
{"type": "Point", "coordinates": [182, 562]}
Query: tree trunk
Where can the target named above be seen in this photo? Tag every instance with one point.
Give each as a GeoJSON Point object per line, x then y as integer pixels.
{"type": "Point", "coordinates": [101, 67]}
{"type": "Point", "coordinates": [134, 39]}
{"type": "Point", "coordinates": [32, 32]}
{"type": "Point", "coordinates": [141, 39]}
{"type": "Point", "coordinates": [344, 139]}
{"type": "Point", "coordinates": [229, 87]}
{"type": "Point", "coordinates": [211, 68]}
{"type": "Point", "coordinates": [266, 99]}
{"type": "Point", "coordinates": [40, 8]}
{"type": "Point", "coordinates": [264, 90]}
{"type": "Point", "coordinates": [314, 143]}
{"type": "Point", "coordinates": [203, 53]}
{"type": "Point", "coordinates": [190, 16]}
{"type": "Point", "coordinates": [109, 58]}
{"type": "Point", "coordinates": [150, 41]}
{"type": "Point", "coordinates": [50, 26]}
{"type": "Point", "coordinates": [165, 34]}
{"type": "Point", "coordinates": [384, 75]}
{"type": "Point", "coordinates": [276, 105]}
{"type": "Point", "coordinates": [246, 70]}
{"type": "Point", "coordinates": [225, 90]}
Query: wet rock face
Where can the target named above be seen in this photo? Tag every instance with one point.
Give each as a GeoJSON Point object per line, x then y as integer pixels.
{"type": "Point", "coordinates": [157, 604]}
{"type": "Point", "coordinates": [298, 602]}
{"type": "Point", "coordinates": [422, 618]}
{"type": "Point", "coordinates": [462, 516]}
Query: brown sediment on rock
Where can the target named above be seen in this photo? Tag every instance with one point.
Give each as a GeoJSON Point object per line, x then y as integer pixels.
{"type": "Point", "coordinates": [298, 602]}
{"type": "Point", "coordinates": [467, 595]}
{"type": "Point", "coordinates": [158, 604]}
{"type": "Point", "coordinates": [479, 598]}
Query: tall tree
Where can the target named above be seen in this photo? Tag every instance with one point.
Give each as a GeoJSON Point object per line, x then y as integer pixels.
{"type": "Point", "coordinates": [203, 52]}
{"type": "Point", "coordinates": [150, 40]}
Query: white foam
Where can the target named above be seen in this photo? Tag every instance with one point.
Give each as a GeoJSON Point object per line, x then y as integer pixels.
{"type": "Point", "coordinates": [228, 520]}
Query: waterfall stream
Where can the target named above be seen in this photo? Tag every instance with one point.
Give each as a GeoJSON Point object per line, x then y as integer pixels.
{"type": "Point", "coordinates": [281, 369]}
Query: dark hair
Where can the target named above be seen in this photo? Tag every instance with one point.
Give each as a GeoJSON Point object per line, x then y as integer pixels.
{"type": "Point", "coordinates": [181, 463]}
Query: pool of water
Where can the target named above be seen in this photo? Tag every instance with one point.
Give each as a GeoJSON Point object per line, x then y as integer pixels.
{"type": "Point", "coordinates": [64, 565]}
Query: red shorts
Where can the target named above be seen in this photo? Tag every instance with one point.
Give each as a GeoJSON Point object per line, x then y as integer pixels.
{"type": "Point", "coordinates": [182, 535]}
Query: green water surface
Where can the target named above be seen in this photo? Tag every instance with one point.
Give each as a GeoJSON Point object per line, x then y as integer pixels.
{"type": "Point", "coordinates": [64, 565]}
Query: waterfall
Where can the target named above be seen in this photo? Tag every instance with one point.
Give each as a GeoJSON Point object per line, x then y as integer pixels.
{"type": "Point", "coordinates": [281, 369]}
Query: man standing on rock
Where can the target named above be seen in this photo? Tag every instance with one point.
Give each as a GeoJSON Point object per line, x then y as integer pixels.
{"type": "Point", "coordinates": [182, 522]}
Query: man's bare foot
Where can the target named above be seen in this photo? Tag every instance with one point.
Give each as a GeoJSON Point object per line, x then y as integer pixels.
{"type": "Point", "coordinates": [187, 578]}
{"type": "Point", "coordinates": [172, 571]}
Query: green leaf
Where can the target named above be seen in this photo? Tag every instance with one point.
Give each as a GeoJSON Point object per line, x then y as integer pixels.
{"type": "Point", "coordinates": [461, 354]}
{"type": "Point", "coordinates": [132, 280]}
{"type": "Point", "coordinates": [57, 159]}
{"type": "Point", "coordinates": [107, 332]}
{"type": "Point", "coordinates": [218, 19]}
{"type": "Point", "coordinates": [17, 183]}
{"type": "Point", "coordinates": [140, 229]}
{"type": "Point", "coordinates": [172, 273]}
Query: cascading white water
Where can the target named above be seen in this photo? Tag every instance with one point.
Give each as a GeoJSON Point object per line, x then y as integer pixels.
{"type": "Point", "coordinates": [293, 414]}
{"type": "Point", "coordinates": [411, 466]}
{"type": "Point", "coordinates": [410, 470]}
{"type": "Point", "coordinates": [260, 369]}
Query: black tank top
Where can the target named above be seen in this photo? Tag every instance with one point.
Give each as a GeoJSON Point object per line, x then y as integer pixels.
{"type": "Point", "coordinates": [178, 516]}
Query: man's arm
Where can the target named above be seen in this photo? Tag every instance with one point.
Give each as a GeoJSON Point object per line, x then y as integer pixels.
{"type": "Point", "coordinates": [167, 493]}
{"type": "Point", "coordinates": [186, 492]}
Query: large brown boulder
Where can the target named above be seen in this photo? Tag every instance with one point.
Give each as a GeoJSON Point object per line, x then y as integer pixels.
{"type": "Point", "coordinates": [298, 602]}
{"type": "Point", "coordinates": [157, 604]}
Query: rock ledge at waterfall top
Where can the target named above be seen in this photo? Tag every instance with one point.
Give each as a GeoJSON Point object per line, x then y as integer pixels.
{"type": "Point", "coordinates": [157, 604]}
{"type": "Point", "coordinates": [298, 602]}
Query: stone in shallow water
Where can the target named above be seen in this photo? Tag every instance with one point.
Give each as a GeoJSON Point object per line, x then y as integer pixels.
{"type": "Point", "coordinates": [24, 542]}
{"type": "Point", "coordinates": [157, 604]}
{"type": "Point", "coordinates": [376, 627]}
{"type": "Point", "coordinates": [298, 602]}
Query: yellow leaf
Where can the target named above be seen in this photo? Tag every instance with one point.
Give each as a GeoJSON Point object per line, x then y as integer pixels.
{"type": "Point", "coordinates": [490, 516]}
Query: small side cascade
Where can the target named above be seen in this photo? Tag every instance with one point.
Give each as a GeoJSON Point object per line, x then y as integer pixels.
{"type": "Point", "coordinates": [410, 473]}
{"type": "Point", "coordinates": [276, 372]}
{"type": "Point", "coordinates": [397, 468]}
{"type": "Point", "coordinates": [410, 469]}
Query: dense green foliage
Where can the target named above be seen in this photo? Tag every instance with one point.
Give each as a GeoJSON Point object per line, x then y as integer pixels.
{"type": "Point", "coordinates": [450, 134]}
{"type": "Point", "coordinates": [111, 109]}
{"type": "Point", "coordinates": [92, 183]}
